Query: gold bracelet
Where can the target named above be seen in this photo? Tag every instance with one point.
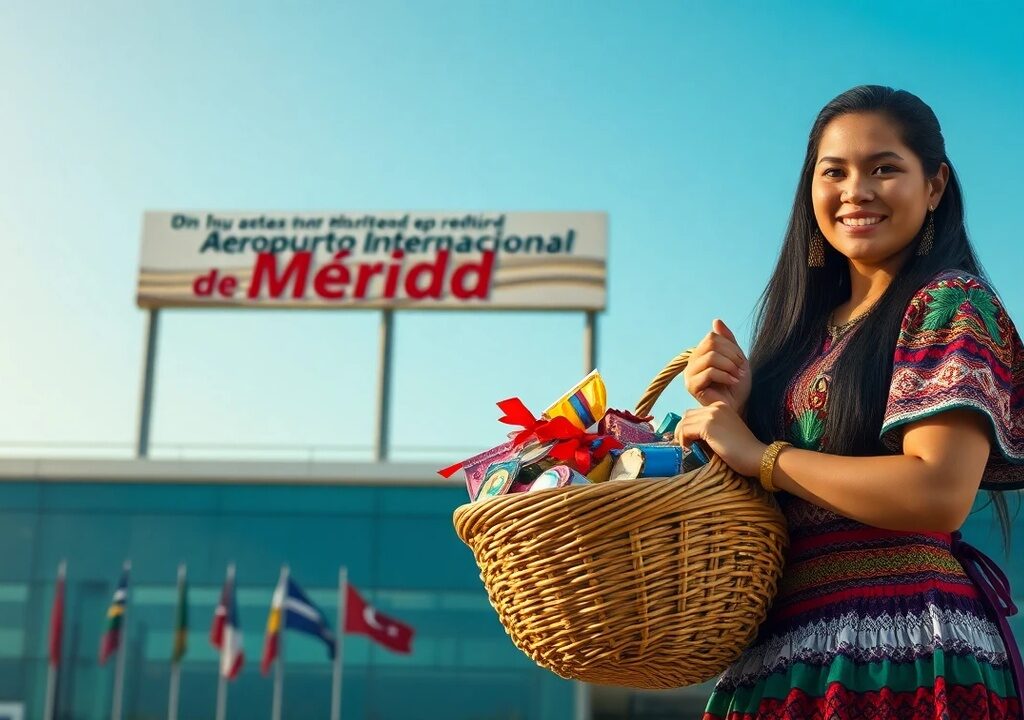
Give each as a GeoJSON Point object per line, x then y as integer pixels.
{"type": "Point", "coordinates": [768, 464]}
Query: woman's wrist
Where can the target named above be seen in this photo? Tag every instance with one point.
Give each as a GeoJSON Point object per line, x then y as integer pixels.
{"type": "Point", "coordinates": [768, 461]}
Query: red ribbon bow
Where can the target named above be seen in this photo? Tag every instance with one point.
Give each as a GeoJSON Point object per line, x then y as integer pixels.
{"type": "Point", "coordinates": [572, 445]}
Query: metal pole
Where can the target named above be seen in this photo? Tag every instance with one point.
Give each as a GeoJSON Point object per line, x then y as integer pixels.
{"type": "Point", "coordinates": [590, 342]}
{"type": "Point", "coordinates": [115, 710]}
{"type": "Point", "coordinates": [51, 685]}
{"type": "Point", "coordinates": [384, 385]}
{"type": "Point", "coordinates": [339, 639]}
{"type": "Point", "coordinates": [582, 701]}
{"type": "Point", "coordinates": [275, 712]}
{"type": "Point", "coordinates": [148, 370]}
{"type": "Point", "coordinates": [172, 698]}
{"type": "Point", "coordinates": [222, 696]}
{"type": "Point", "coordinates": [172, 703]}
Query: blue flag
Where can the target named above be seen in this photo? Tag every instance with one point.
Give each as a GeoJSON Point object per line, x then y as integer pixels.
{"type": "Point", "coordinates": [302, 615]}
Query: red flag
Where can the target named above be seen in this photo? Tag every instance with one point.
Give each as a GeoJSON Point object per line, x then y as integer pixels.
{"type": "Point", "coordinates": [225, 632]}
{"type": "Point", "coordinates": [57, 619]}
{"type": "Point", "coordinates": [363, 619]}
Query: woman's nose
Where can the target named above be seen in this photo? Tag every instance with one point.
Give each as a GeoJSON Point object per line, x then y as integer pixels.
{"type": "Point", "coordinates": [856, 191]}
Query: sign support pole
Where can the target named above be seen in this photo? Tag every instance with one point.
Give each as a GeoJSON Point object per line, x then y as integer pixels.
{"type": "Point", "coordinates": [148, 370]}
{"type": "Point", "coordinates": [387, 319]}
{"type": "Point", "coordinates": [590, 342]}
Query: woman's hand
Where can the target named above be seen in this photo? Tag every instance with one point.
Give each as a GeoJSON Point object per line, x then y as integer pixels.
{"type": "Point", "coordinates": [724, 431]}
{"type": "Point", "coordinates": [718, 370]}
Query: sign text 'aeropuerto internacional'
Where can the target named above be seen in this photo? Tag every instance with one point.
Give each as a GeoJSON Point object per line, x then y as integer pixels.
{"type": "Point", "coordinates": [450, 260]}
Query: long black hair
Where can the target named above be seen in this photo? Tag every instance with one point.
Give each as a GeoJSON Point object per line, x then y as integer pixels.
{"type": "Point", "coordinates": [793, 310]}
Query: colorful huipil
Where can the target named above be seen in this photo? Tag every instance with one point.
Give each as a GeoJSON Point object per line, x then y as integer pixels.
{"type": "Point", "coordinates": [879, 624]}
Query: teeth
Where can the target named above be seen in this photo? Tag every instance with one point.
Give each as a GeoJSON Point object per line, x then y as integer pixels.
{"type": "Point", "coordinates": [861, 221]}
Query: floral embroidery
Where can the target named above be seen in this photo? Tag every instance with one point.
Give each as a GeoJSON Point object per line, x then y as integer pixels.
{"type": "Point", "coordinates": [807, 430]}
{"type": "Point", "coordinates": [807, 399]}
{"type": "Point", "coordinates": [946, 301]}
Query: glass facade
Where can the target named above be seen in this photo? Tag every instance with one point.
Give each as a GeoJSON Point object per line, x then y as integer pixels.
{"type": "Point", "coordinates": [397, 543]}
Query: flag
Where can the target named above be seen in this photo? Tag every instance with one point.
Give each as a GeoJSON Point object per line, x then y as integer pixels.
{"type": "Point", "coordinates": [273, 632]}
{"type": "Point", "coordinates": [111, 639]}
{"type": "Point", "coordinates": [292, 609]}
{"type": "Point", "coordinates": [363, 619]}
{"type": "Point", "coordinates": [225, 634]}
{"type": "Point", "coordinates": [57, 619]}
{"type": "Point", "coordinates": [181, 618]}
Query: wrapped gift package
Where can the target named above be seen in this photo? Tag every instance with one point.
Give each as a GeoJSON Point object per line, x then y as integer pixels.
{"type": "Point", "coordinates": [558, 449]}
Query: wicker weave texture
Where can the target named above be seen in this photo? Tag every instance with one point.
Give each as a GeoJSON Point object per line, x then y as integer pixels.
{"type": "Point", "coordinates": [643, 583]}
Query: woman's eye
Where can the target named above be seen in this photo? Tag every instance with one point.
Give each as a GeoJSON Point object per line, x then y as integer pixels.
{"type": "Point", "coordinates": [829, 170]}
{"type": "Point", "coordinates": [885, 166]}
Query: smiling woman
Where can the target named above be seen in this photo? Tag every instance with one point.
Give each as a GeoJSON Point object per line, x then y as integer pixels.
{"type": "Point", "coordinates": [870, 192]}
{"type": "Point", "coordinates": [887, 388]}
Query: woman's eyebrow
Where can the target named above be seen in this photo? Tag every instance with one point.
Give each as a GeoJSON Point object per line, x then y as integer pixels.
{"type": "Point", "coordinates": [876, 156]}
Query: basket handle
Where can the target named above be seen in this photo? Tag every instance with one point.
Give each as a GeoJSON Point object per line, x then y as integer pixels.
{"type": "Point", "coordinates": [659, 383]}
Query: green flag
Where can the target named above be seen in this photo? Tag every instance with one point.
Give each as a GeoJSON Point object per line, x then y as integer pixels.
{"type": "Point", "coordinates": [181, 618]}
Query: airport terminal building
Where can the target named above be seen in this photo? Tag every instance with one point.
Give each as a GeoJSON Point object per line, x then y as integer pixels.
{"type": "Point", "coordinates": [388, 524]}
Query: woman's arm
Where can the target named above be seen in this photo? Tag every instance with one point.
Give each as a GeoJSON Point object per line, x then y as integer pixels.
{"type": "Point", "coordinates": [930, 487]}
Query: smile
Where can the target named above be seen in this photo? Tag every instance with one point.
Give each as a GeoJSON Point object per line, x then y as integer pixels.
{"type": "Point", "coordinates": [858, 222]}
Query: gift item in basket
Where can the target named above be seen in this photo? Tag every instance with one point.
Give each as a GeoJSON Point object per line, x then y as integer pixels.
{"type": "Point", "coordinates": [697, 454]}
{"type": "Point", "coordinates": [524, 469]}
{"type": "Point", "coordinates": [628, 428]}
{"type": "Point", "coordinates": [583, 405]}
{"type": "Point", "coordinates": [642, 461]}
{"type": "Point", "coordinates": [558, 476]}
{"type": "Point", "coordinates": [498, 479]}
{"type": "Point", "coordinates": [475, 468]}
{"type": "Point", "coordinates": [668, 424]}
{"type": "Point", "coordinates": [575, 447]}
{"type": "Point", "coordinates": [535, 469]}
{"type": "Point", "coordinates": [654, 584]}
{"type": "Point", "coordinates": [602, 469]}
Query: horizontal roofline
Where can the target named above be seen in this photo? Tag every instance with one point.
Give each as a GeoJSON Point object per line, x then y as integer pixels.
{"type": "Point", "coordinates": [222, 471]}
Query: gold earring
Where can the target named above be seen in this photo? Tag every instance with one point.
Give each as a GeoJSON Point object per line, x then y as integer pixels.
{"type": "Point", "coordinates": [927, 240]}
{"type": "Point", "coordinates": [816, 252]}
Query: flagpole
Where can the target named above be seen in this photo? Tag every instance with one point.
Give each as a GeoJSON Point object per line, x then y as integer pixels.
{"type": "Point", "coordinates": [51, 686]}
{"type": "Point", "coordinates": [115, 709]}
{"type": "Point", "coordinates": [222, 684]}
{"type": "Point", "coordinates": [339, 644]}
{"type": "Point", "coordinates": [172, 702]}
{"type": "Point", "coordinates": [222, 695]}
{"type": "Point", "coordinates": [282, 583]}
{"type": "Point", "coordinates": [51, 673]}
{"type": "Point", "coordinates": [172, 698]}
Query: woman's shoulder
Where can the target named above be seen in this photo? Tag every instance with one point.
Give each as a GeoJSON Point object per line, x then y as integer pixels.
{"type": "Point", "coordinates": [958, 348]}
{"type": "Point", "coordinates": [956, 298]}
{"type": "Point", "coordinates": [955, 278]}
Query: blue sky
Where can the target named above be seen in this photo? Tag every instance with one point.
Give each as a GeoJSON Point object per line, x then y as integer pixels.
{"type": "Point", "coordinates": [684, 121]}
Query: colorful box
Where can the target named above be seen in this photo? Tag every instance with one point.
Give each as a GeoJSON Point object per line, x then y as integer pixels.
{"type": "Point", "coordinates": [628, 428]}
{"type": "Point", "coordinates": [584, 404]}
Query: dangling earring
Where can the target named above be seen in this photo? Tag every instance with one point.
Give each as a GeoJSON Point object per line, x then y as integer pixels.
{"type": "Point", "coordinates": [929, 233]}
{"type": "Point", "coordinates": [816, 252]}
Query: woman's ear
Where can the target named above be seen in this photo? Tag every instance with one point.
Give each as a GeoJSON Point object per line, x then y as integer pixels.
{"type": "Point", "coordinates": [938, 184]}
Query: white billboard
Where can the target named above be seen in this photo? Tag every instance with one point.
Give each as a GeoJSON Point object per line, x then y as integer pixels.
{"type": "Point", "coordinates": [393, 259]}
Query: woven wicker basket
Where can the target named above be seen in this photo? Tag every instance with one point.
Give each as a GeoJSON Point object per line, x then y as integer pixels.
{"type": "Point", "coordinates": [642, 583]}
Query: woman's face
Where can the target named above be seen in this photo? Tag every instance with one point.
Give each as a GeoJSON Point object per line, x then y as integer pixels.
{"type": "Point", "coordinates": [869, 191]}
